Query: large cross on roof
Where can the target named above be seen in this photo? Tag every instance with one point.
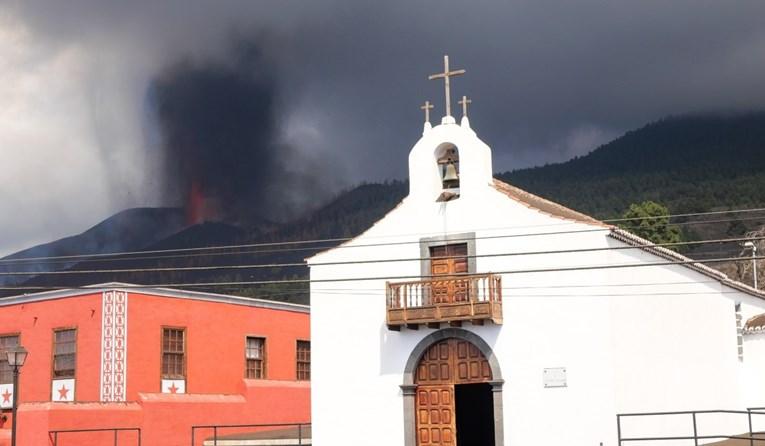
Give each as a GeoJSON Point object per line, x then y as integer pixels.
{"type": "Point", "coordinates": [445, 75]}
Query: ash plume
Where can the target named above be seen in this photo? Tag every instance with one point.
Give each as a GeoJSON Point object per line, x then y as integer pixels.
{"type": "Point", "coordinates": [220, 141]}
{"type": "Point", "coordinates": [76, 72]}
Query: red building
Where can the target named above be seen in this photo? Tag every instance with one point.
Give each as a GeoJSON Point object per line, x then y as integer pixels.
{"type": "Point", "coordinates": [160, 360]}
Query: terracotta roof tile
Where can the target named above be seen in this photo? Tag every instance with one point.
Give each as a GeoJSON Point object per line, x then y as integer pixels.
{"type": "Point", "coordinates": [755, 324]}
{"type": "Point", "coordinates": [543, 205]}
{"type": "Point", "coordinates": [556, 210]}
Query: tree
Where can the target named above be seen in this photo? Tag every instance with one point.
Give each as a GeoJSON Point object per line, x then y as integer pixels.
{"type": "Point", "coordinates": [650, 220]}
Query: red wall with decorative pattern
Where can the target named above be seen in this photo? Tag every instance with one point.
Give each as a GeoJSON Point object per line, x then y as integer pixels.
{"type": "Point", "coordinates": [216, 391]}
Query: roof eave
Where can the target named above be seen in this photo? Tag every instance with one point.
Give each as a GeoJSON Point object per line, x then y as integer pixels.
{"type": "Point", "coordinates": [667, 254]}
{"type": "Point", "coordinates": [152, 290]}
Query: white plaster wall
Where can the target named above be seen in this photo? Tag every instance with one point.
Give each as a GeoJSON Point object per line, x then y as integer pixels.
{"type": "Point", "coordinates": [754, 378]}
{"type": "Point", "coordinates": [666, 343]}
{"type": "Point", "coordinates": [675, 349]}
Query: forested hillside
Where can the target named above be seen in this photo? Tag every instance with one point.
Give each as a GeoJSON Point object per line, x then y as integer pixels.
{"type": "Point", "coordinates": [690, 164]}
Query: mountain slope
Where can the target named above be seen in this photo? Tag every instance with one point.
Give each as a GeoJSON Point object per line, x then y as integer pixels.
{"type": "Point", "coordinates": [128, 230]}
{"type": "Point", "coordinates": [691, 164]}
{"type": "Point", "coordinates": [349, 214]}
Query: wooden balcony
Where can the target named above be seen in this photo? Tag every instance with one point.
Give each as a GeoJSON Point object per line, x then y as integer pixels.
{"type": "Point", "coordinates": [453, 299]}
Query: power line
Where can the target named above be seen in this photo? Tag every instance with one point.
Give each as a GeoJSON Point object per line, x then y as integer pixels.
{"type": "Point", "coordinates": [575, 285]}
{"type": "Point", "coordinates": [692, 214]}
{"type": "Point", "coordinates": [316, 248]}
{"type": "Point", "coordinates": [515, 295]}
{"type": "Point", "coordinates": [191, 251]}
{"type": "Point", "coordinates": [377, 290]}
{"type": "Point", "coordinates": [381, 292]}
{"type": "Point", "coordinates": [100, 257]}
{"type": "Point", "coordinates": [356, 262]}
{"type": "Point", "coordinates": [378, 278]}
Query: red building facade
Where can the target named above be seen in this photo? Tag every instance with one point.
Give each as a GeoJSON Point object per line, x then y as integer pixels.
{"type": "Point", "coordinates": [160, 360]}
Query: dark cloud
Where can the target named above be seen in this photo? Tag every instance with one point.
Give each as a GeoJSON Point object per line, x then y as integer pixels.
{"type": "Point", "coordinates": [549, 80]}
{"type": "Point", "coordinates": [344, 79]}
{"type": "Point", "coordinates": [224, 157]}
{"type": "Point", "coordinates": [218, 134]}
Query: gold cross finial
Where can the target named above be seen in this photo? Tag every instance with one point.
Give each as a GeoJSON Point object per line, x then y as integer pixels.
{"type": "Point", "coordinates": [427, 108]}
{"type": "Point", "coordinates": [445, 75]}
{"type": "Point", "coordinates": [464, 103]}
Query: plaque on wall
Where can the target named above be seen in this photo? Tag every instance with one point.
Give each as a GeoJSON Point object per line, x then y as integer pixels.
{"type": "Point", "coordinates": [554, 377]}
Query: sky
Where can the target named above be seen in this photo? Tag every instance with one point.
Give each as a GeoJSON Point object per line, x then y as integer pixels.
{"type": "Point", "coordinates": [90, 91]}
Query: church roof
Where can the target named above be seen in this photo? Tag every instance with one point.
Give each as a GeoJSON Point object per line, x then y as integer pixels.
{"type": "Point", "coordinates": [668, 254]}
{"type": "Point", "coordinates": [755, 324]}
{"type": "Point", "coordinates": [153, 291]}
{"type": "Point", "coordinates": [546, 206]}
{"type": "Point", "coordinates": [559, 211]}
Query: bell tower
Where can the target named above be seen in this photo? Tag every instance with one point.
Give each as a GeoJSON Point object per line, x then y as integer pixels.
{"type": "Point", "coordinates": [449, 162]}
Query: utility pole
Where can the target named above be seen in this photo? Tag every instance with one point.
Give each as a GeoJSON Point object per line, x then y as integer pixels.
{"type": "Point", "coordinates": [14, 403]}
{"type": "Point", "coordinates": [753, 247]}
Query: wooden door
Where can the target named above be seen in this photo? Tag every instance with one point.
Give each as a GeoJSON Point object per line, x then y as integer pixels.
{"type": "Point", "coordinates": [435, 416]}
{"type": "Point", "coordinates": [444, 364]}
{"type": "Point", "coordinates": [437, 364]}
{"type": "Point", "coordinates": [470, 365]}
{"type": "Point", "coordinates": [449, 261]}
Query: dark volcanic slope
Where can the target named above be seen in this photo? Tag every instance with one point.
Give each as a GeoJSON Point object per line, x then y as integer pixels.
{"type": "Point", "coordinates": [128, 230]}
{"type": "Point", "coordinates": [349, 214]}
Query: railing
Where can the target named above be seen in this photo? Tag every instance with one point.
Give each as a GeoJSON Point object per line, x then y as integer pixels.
{"type": "Point", "coordinates": [286, 431]}
{"type": "Point", "coordinates": [53, 435]}
{"type": "Point", "coordinates": [452, 298]}
{"type": "Point", "coordinates": [749, 436]}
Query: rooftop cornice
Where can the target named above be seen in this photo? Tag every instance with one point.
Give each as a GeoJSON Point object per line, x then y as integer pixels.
{"type": "Point", "coordinates": [153, 291]}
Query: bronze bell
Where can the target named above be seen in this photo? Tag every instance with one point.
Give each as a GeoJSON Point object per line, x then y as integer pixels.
{"type": "Point", "coordinates": [451, 179]}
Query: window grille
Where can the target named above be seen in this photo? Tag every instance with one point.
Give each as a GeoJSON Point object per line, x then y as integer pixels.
{"type": "Point", "coordinates": [7, 342]}
{"type": "Point", "coordinates": [255, 356]}
{"type": "Point", "coordinates": [173, 353]}
{"type": "Point", "coordinates": [64, 353]}
{"type": "Point", "coordinates": [303, 360]}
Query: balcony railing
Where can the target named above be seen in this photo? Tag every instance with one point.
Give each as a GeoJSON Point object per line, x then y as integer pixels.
{"type": "Point", "coordinates": [474, 297]}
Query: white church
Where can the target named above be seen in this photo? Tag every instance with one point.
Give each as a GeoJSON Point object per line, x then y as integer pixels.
{"type": "Point", "coordinates": [478, 314]}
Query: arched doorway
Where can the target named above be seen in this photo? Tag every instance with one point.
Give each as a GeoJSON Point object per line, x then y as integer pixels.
{"type": "Point", "coordinates": [453, 392]}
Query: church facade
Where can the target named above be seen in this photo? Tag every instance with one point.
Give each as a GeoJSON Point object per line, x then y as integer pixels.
{"type": "Point", "coordinates": [476, 313]}
{"type": "Point", "coordinates": [160, 360]}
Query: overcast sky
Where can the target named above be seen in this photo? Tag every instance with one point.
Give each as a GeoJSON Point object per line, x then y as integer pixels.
{"type": "Point", "coordinates": [549, 80]}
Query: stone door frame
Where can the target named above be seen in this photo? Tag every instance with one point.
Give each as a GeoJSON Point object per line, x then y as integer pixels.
{"type": "Point", "coordinates": [409, 388]}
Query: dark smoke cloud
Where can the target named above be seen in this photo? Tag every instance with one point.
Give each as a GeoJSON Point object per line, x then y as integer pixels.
{"type": "Point", "coordinates": [344, 79]}
{"type": "Point", "coordinates": [221, 143]}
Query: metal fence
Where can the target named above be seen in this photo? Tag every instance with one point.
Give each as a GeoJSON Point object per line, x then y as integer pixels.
{"type": "Point", "coordinates": [750, 436]}
{"type": "Point", "coordinates": [55, 434]}
{"type": "Point", "coordinates": [302, 432]}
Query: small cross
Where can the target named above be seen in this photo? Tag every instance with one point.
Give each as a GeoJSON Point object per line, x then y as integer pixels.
{"type": "Point", "coordinates": [464, 103]}
{"type": "Point", "coordinates": [445, 75]}
{"type": "Point", "coordinates": [427, 108]}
